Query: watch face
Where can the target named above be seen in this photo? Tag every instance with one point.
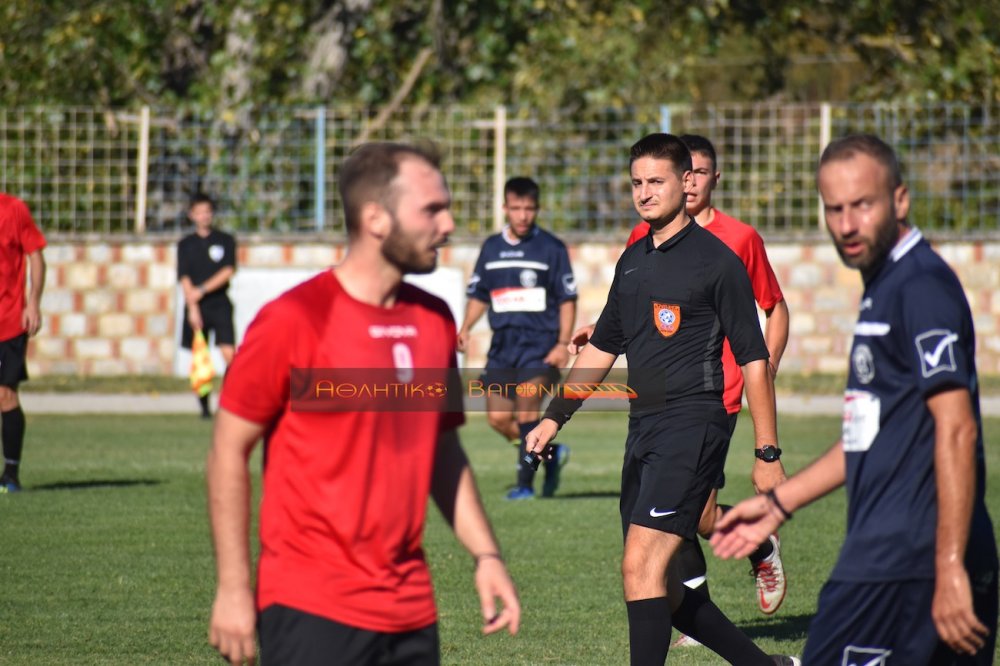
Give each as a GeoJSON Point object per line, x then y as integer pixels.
{"type": "Point", "coordinates": [769, 453]}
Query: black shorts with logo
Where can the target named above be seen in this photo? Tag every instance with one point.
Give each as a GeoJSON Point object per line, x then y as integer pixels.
{"type": "Point", "coordinates": [13, 361]}
{"type": "Point", "coordinates": [296, 638]}
{"type": "Point", "coordinates": [673, 460]}
{"type": "Point", "coordinates": [216, 315]}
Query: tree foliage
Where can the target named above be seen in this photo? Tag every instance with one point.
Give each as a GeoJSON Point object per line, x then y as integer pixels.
{"type": "Point", "coordinates": [235, 54]}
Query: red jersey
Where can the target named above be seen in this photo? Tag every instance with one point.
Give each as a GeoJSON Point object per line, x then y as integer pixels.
{"type": "Point", "coordinates": [18, 237]}
{"type": "Point", "coordinates": [744, 240]}
{"type": "Point", "coordinates": [345, 494]}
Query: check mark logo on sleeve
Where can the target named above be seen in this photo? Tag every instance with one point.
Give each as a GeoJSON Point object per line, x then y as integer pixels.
{"type": "Point", "coordinates": [934, 357]}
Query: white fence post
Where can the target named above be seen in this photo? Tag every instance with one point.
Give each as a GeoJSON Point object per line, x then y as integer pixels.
{"type": "Point", "coordinates": [319, 170]}
{"type": "Point", "coordinates": [499, 164]}
{"type": "Point", "coordinates": [142, 172]}
{"type": "Point", "coordinates": [825, 135]}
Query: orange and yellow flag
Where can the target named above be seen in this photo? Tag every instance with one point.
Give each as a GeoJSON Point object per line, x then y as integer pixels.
{"type": "Point", "coordinates": [202, 371]}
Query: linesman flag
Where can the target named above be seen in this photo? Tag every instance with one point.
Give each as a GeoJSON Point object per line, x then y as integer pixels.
{"type": "Point", "coordinates": [202, 371]}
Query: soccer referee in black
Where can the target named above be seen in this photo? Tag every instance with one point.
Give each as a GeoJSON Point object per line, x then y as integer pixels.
{"type": "Point", "coordinates": [206, 261]}
{"type": "Point", "coordinates": [675, 297]}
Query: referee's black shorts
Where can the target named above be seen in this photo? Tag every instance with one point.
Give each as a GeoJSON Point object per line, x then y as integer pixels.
{"type": "Point", "coordinates": [13, 361]}
{"type": "Point", "coordinates": [672, 462]}
{"type": "Point", "coordinates": [216, 315]}
{"type": "Point", "coordinates": [295, 638]}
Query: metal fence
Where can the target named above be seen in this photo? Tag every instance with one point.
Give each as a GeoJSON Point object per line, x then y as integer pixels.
{"type": "Point", "coordinates": [274, 171]}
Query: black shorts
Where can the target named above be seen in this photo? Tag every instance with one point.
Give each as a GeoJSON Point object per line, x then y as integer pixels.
{"type": "Point", "coordinates": [672, 461]}
{"type": "Point", "coordinates": [13, 361]}
{"type": "Point", "coordinates": [216, 315]}
{"type": "Point", "coordinates": [517, 355]}
{"type": "Point", "coordinates": [890, 623]}
{"type": "Point", "coordinates": [720, 483]}
{"type": "Point", "coordinates": [296, 638]}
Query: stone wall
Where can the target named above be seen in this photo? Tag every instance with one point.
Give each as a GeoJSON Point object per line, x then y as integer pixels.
{"type": "Point", "coordinates": [110, 305]}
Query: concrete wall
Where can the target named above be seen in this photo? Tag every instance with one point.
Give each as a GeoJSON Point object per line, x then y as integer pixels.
{"type": "Point", "coordinates": [110, 307]}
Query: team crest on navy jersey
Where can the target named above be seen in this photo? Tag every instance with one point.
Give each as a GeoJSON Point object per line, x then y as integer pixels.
{"type": "Point", "coordinates": [864, 363]}
{"type": "Point", "coordinates": [937, 351]}
{"type": "Point", "coordinates": [858, 656]}
{"type": "Point", "coordinates": [529, 278]}
{"type": "Point", "coordinates": [667, 318]}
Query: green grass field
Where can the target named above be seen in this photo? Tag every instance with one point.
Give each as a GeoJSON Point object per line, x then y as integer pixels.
{"type": "Point", "coordinates": [106, 559]}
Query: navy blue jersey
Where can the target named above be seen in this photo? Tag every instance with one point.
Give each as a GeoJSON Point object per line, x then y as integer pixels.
{"type": "Point", "coordinates": [914, 337]}
{"type": "Point", "coordinates": [668, 311]}
{"type": "Point", "coordinates": [524, 282]}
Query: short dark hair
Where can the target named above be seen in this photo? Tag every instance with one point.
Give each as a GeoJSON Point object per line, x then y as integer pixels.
{"type": "Point", "coordinates": [696, 143]}
{"type": "Point", "coordinates": [521, 186]}
{"type": "Point", "coordinates": [866, 144]}
{"type": "Point", "coordinates": [201, 198]}
{"type": "Point", "coordinates": [367, 174]}
{"type": "Point", "coordinates": [662, 146]}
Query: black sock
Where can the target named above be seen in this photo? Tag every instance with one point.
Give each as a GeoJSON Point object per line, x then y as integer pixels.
{"type": "Point", "coordinates": [205, 409]}
{"type": "Point", "coordinates": [12, 433]}
{"type": "Point", "coordinates": [702, 620]}
{"type": "Point", "coordinates": [689, 563]}
{"type": "Point", "coordinates": [763, 552]}
{"type": "Point", "coordinates": [648, 631]}
{"type": "Point", "coordinates": [525, 473]}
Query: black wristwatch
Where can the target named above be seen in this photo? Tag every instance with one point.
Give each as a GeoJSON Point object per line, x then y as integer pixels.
{"type": "Point", "coordinates": [768, 453]}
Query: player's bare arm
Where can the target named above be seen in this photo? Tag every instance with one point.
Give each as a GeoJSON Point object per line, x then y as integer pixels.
{"type": "Point", "coordinates": [759, 387]}
{"type": "Point", "coordinates": [776, 334]}
{"type": "Point", "coordinates": [580, 338]}
{"type": "Point", "coordinates": [592, 365]}
{"type": "Point", "coordinates": [744, 527]}
{"type": "Point", "coordinates": [32, 318]}
{"type": "Point", "coordinates": [217, 281]}
{"type": "Point", "coordinates": [232, 628]}
{"type": "Point", "coordinates": [457, 497]}
{"type": "Point", "coordinates": [558, 357]}
{"type": "Point", "coordinates": [955, 434]}
{"type": "Point", "coordinates": [474, 310]}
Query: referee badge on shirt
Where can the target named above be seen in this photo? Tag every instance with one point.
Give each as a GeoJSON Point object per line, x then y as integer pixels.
{"type": "Point", "coordinates": [667, 318]}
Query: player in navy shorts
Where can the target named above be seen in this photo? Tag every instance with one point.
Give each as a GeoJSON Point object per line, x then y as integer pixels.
{"type": "Point", "coordinates": [524, 279]}
{"type": "Point", "coordinates": [916, 580]}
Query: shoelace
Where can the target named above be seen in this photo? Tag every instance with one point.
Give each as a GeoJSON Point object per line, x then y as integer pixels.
{"type": "Point", "coordinates": [766, 577]}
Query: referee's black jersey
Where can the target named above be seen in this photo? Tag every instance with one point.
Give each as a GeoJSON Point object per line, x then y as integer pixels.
{"type": "Point", "coordinates": [668, 311]}
{"type": "Point", "coordinates": [200, 258]}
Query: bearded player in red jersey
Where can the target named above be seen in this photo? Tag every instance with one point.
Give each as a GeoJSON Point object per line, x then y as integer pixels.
{"type": "Point", "coordinates": [744, 240]}
{"type": "Point", "coordinates": [342, 573]}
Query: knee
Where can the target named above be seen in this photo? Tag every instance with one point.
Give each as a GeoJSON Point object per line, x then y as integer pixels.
{"type": "Point", "coordinates": [636, 571]}
{"type": "Point", "coordinates": [499, 421]}
{"type": "Point", "coordinates": [8, 399]}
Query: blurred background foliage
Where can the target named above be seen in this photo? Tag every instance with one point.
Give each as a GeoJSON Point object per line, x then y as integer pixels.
{"type": "Point", "coordinates": [225, 56]}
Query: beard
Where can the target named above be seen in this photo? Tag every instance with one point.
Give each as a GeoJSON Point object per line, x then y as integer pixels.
{"type": "Point", "coordinates": [876, 248]}
{"type": "Point", "coordinates": [400, 250]}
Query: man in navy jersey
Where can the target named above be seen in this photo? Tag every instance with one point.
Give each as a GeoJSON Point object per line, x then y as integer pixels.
{"type": "Point", "coordinates": [916, 580]}
{"type": "Point", "coordinates": [523, 277]}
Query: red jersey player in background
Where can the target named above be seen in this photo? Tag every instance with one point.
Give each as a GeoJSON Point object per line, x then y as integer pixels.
{"type": "Point", "coordinates": [20, 318]}
{"type": "Point", "coordinates": [342, 573]}
{"type": "Point", "coordinates": [744, 240]}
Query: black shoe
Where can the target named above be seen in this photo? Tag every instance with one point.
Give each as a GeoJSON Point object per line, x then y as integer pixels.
{"type": "Point", "coordinates": [9, 484]}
